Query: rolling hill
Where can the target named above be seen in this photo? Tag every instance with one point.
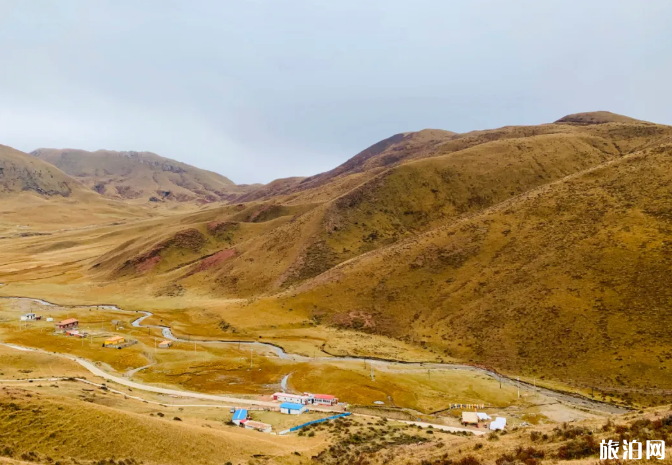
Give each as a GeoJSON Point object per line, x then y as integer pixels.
{"type": "Point", "coordinates": [535, 250]}
{"type": "Point", "coordinates": [140, 177]}
{"type": "Point", "coordinates": [370, 161]}
{"type": "Point", "coordinates": [35, 196]}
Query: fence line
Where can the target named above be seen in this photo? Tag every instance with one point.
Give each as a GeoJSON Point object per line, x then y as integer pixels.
{"type": "Point", "coordinates": [321, 420]}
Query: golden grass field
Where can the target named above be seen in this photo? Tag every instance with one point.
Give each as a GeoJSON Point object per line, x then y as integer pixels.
{"type": "Point", "coordinates": [536, 251]}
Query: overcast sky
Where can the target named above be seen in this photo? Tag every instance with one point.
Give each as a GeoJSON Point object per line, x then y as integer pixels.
{"type": "Point", "coordinates": [262, 89]}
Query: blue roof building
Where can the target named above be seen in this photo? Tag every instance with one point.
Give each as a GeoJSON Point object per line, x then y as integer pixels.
{"type": "Point", "coordinates": [292, 408]}
{"type": "Point", "coordinates": [239, 415]}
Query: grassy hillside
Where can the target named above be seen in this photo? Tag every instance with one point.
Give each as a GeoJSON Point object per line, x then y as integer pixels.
{"type": "Point", "coordinates": [569, 281]}
{"type": "Point", "coordinates": [384, 154]}
{"type": "Point", "coordinates": [20, 173]}
{"type": "Point", "coordinates": [462, 177]}
{"type": "Point", "coordinates": [530, 249]}
{"type": "Point", "coordinates": [43, 428]}
{"type": "Point", "coordinates": [141, 176]}
{"type": "Point", "coordinates": [36, 197]}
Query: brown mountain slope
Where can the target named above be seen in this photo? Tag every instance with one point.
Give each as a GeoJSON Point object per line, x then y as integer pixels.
{"type": "Point", "coordinates": [36, 196]}
{"type": "Point", "coordinates": [524, 248]}
{"type": "Point", "coordinates": [386, 153]}
{"type": "Point", "coordinates": [409, 199]}
{"type": "Point", "coordinates": [43, 428]}
{"type": "Point", "coordinates": [570, 281]}
{"type": "Point", "coordinates": [141, 176]}
{"type": "Point", "coordinates": [20, 173]}
{"type": "Point", "coordinates": [271, 245]}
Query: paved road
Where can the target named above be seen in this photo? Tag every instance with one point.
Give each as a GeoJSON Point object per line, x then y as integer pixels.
{"type": "Point", "coordinates": [573, 400]}
{"type": "Point", "coordinates": [453, 429]}
{"type": "Point", "coordinates": [231, 401]}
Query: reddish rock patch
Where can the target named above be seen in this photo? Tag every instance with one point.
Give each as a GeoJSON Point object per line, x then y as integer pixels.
{"type": "Point", "coordinates": [214, 260]}
{"type": "Point", "coordinates": [221, 227]}
{"type": "Point", "coordinates": [358, 320]}
{"type": "Point", "coordinates": [190, 239]}
{"type": "Point", "coordinates": [148, 264]}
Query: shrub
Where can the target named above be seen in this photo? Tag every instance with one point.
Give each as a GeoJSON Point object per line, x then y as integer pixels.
{"type": "Point", "coordinates": [468, 460]}
{"type": "Point", "coordinates": [580, 448]}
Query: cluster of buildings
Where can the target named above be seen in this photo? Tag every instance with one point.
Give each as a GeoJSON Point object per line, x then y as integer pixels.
{"type": "Point", "coordinates": [290, 404]}
{"type": "Point", "coordinates": [240, 418]}
{"type": "Point", "coordinates": [296, 404]}
{"type": "Point", "coordinates": [474, 418]}
{"type": "Point", "coordinates": [306, 399]}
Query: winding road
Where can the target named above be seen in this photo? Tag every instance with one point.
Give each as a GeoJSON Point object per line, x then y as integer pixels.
{"type": "Point", "coordinates": [573, 400]}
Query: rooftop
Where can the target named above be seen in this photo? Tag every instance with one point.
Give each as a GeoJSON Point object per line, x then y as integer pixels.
{"type": "Point", "coordinates": [257, 424]}
{"type": "Point", "coordinates": [240, 414]}
{"type": "Point", "coordinates": [68, 321]}
{"type": "Point", "coordinates": [324, 396]}
{"type": "Point", "coordinates": [291, 406]}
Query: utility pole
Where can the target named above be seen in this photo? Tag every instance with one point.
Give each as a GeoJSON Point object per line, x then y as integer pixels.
{"type": "Point", "coordinates": [518, 386]}
{"type": "Point", "coordinates": [250, 356]}
{"type": "Point", "coordinates": [373, 377]}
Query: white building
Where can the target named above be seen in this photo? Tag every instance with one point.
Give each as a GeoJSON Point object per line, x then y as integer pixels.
{"type": "Point", "coordinates": [291, 408]}
{"type": "Point", "coordinates": [323, 399]}
{"type": "Point", "coordinates": [29, 317]}
{"type": "Point", "coordinates": [498, 424]}
{"type": "Point", "coordinates": [256, 425]}
{"type": "Point", "coordinates": [284, 397]}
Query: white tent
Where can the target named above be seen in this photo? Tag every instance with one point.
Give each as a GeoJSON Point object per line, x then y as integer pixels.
{"type": "Point", "coordinates": [483, 416]}
{"type": "Point", "coordinates": [498, 424]}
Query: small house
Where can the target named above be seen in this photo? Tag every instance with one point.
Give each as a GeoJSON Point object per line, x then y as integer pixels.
{"type": "Point", "coordinates": [239, 416]}
{"type": "Point", "coordinates": [113, 341]}
{"type": "Point", "coordinates": [498, 424]}
{"type": "Point", "coordinates": [291, 408]}
{"type": "Point", "coordinates": [29, 317]}
{"type": "Point", "coordinates": [324, 399]}
{"type": "Point", "coordinates": [293, 398]}
{"type": "Point", "coordinates": [70, 323]}
{"type": "Point", "coordinates": [469, 418]}
{"type": "Point", "coordinates": [256, 425]}
{"type": "Point", "coordinates": [165, 344]}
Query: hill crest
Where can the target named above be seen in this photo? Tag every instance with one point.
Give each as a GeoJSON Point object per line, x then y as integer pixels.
{"type": "Point", "coordinates": [141, 176]}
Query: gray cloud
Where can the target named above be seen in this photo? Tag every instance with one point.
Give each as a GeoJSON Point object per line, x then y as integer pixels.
{"type": "Point", "coordinates": [263, 89]}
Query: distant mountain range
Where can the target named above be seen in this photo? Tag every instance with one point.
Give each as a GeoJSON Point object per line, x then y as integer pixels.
{"type": "Point", "coordinates": [523, 247]}
{"type": "Point", "coordinates": [140, 177]}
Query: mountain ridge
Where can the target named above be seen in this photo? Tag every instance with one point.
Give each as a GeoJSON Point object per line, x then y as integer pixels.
{"type": "Point", "coordinates": [141, 176]}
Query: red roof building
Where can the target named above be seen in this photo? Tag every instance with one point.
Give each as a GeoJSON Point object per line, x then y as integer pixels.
{"type": "Point", "coordinates": [70, 323]}
{"type": "Point", "coordinates": [325, 399]}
